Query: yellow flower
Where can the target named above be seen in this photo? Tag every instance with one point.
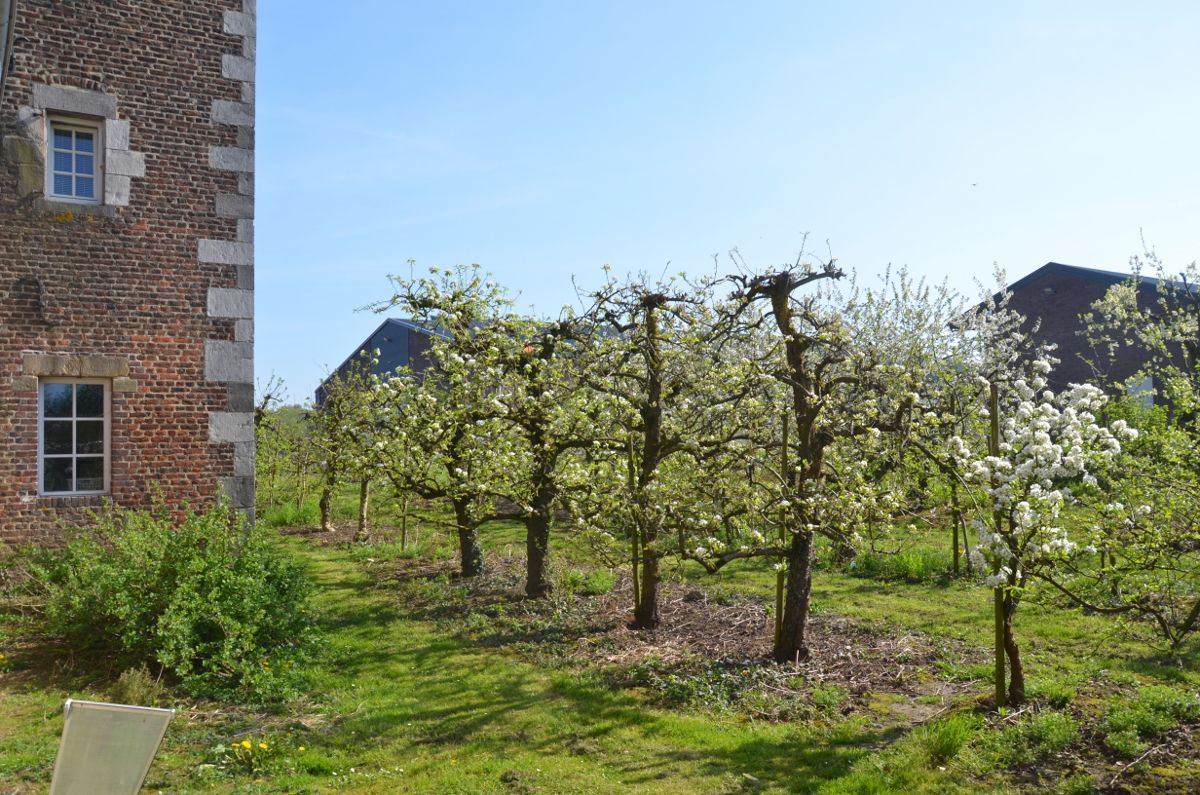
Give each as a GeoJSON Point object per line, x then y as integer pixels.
{"type": "Point", "coordinates": [245, 743]}
{"type": "Point", "coordinates": [262, 746]}
{"type": "Point", "coordinates": [301, 748]}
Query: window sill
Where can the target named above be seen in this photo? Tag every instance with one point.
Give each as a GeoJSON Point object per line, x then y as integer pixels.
{"type": "Point", "coordinates": [76, 208]}
{"type": "Point", "coordinates": [72, 500]}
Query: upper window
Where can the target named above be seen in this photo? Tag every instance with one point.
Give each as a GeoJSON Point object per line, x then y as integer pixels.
{"type": "Point", "coordinates": [73, 161]}
{"type": "Point", "coordinates": [72, 437]}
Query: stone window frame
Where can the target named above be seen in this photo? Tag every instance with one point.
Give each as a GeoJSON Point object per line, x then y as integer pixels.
{"type": "Point", "coordinates": [106, 383]}
{"type": "Point", "coordinates": [121, 165]}
{"type": "Point", "coordinates": [76, 123]}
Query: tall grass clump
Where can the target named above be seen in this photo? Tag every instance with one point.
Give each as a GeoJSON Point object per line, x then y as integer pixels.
{"type": "Point", "coordinates": [213, 604]}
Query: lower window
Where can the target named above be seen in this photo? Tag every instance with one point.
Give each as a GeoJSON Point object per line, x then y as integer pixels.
{"type": "Point", "coordinates": [72, 437]}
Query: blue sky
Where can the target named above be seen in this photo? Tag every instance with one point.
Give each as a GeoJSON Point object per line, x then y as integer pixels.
{"type": "Point", "coordinates": [543, 140]}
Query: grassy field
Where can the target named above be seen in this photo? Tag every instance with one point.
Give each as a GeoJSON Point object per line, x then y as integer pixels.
{"type": "Point", "coordinates": [431, 685]}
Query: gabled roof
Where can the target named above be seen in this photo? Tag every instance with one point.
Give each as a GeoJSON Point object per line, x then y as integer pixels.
{"type": "Point", "coordinates": [1093, 275]}
{"type": "Point", "coordinates": [392, 322]}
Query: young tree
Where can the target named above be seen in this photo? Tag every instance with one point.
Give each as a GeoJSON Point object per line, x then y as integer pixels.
{"type": "Point", "coordinates": [830, 379]}
{"type": "Point", "coordinates": [663, 402]}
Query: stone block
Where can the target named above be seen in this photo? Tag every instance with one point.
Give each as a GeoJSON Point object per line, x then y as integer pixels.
{"type": "Point", "coordinates": [245, 277]}
{"type": "Point", "coordinates": [237, 67]}
{"type": "Point", "coordinates": [124, 385]}
{"type": "Point", "coordinates": [226, 112]}
{"type": "Point", "coordinates": [231, 158]}
{"type": "Point", "coordinates": [228, 362]}
{"type": "Point", "coordinates": [246, 183]}
{"type": "Point", "coordinates": [231, 426]}
{"type": "Point", "coordinates": [116, 134]}
{"type": "Point", "coordinates": [240, 491]}
{"type": "Point", "coordinates": [241, 397]}
{"type": "Point", "coordinates": [25, 383]}
{"type": "Point", "coordinates": [74, 100]}
{"type": "Point", "coordinates": [50, 364]}
{"type": "Point", "coordinates": [245, 230]}
{"type": "Point", "coordinates": [125, 163]}
{"type": "Point", "coordinates": [243, 330]}
{"type": "Point", "coordinates": [116, 189]}
{"type": "Point", "coordinates": [238, 23]}
{"type": "Point", "coordinates": [103, 366]}
{"type": "Point", "coordinates": [225, 252]}
{"type": "Point", "coordinates": [243, 458]}
{"type": "Point", "coordinates": [235, 205]}
{"type": "Point", "coordinates": [226, 302]}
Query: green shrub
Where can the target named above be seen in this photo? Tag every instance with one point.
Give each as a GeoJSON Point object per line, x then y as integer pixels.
{"type": "Point", "coordinates": [217, 607]}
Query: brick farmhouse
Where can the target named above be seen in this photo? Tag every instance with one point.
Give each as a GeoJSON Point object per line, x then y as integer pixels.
{"type": "Point", "coordinates": [126, 257]}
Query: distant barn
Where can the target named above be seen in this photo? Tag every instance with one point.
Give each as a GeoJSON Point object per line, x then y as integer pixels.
{"type": "Point", "coordinates": [400, 342]}
{"type": "Point", "coordinates": [1056, 295]}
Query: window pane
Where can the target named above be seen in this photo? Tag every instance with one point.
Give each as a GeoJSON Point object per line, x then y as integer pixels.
{"type": "Point", "coordinates": [62, 161]}
{"type": "Point", "coordinates": [89, 437]}
{"type": "Point", "coordinates": [56, 400]}
{"type": "Point", "coordinates": [89, 400]}
{"type": "Point", "coordinates": [84, 164]}
{"type": "Point", "coordinates": [62, 184]}
{"type": "Point", "coordinates": [89, 474]}
{"type": "Point", "coordinates": [84, 187]}
{"type": "Point", "coordinates": [83, 142]}
{"type": "Point", "coordinates": [56, 474]}
{"type": "Point", "coordinates": [62, 139]}
{"type": "Point", "coordinates": [56, 439]}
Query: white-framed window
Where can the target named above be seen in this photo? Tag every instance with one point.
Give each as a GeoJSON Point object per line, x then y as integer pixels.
{"type": "Point", "coordinates": [73, 436]}
{"type": "Point", "coordinates": [73, 160]}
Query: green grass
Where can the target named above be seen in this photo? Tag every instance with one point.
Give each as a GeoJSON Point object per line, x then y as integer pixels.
{"type": "Point", "coordinates": [404, 704]}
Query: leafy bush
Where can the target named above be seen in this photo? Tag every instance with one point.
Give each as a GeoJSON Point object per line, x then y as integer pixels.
{"type": "Point", "coordinates": [217, 607]}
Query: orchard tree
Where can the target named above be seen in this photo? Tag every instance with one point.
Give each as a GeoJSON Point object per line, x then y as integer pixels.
{"type": "Point", "coordinates": [663, 404]}
{"type": "Point", "coordinates": [1041, 443]}
{"type": "Point", "coordinates": [445, 439]}
{"type": "Point", "coordinates": [342, 424]}
{"type": "Point", "coordinates": [828, 380]}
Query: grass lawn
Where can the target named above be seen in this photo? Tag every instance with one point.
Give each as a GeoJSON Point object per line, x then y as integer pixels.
{"type": "Point", "coordinates": [406, 700]}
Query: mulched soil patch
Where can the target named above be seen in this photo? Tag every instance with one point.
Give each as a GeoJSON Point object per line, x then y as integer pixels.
{"type": "Point", "coordinates": [891, 670]}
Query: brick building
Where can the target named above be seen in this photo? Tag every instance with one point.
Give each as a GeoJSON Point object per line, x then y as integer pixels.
{"type": "Point", "coordinates": [126, 256]}
{"type": "Point", "coordinates": [1055, 296]}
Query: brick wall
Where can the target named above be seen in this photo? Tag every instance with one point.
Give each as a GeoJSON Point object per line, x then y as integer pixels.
{"type": "Point", "coordinates": [152, 289]}
{"type": "Point", "coordinates": [1057, 296]}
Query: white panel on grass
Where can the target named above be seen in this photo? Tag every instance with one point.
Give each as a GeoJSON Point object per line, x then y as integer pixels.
{"type": "Point", "coordinates": [107, 748]}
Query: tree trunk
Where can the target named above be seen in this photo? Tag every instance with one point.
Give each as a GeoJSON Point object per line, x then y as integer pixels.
{"type": "Point", "coordinates": [364, 502]}
{"type": "Point", "coordinates": [957, 518]}
{"type": "Point", "coordinates": [645, 611]}
{"type": "Point", "coordinates": [468, 542]}
{"type": "Point", "coordinates": [790, 638]}
{"type": "Point", "coordinates": [999, 651]}
{"type": "Point", "coordinates": [537, 553]}
{"type": "Point", "coordinates": [1016, 686]}
{"type": "Point", "coordinates": [404, 523]}
{"type": "Point", "coordinates": [327, 501]}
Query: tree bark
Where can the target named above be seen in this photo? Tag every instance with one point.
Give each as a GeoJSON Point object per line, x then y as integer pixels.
{"type": "Point", "coordinates": [790, 637]}
{"type": "Point", "coordinates": [1016, 685]}
{"type": "Point", "coordinates": [364, 503]}
{"type": "Point", "coordinates": [327, 501]}
{"type": "Point", "coordinates": [469, 552]}
{"type": "Point", "coordinates": [645, 612]}
{"type": "Point", "coordinates": [537, 550]}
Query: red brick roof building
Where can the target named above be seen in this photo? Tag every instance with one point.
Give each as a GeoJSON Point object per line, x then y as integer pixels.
{"type": "Point", "coordinates": [126, 256]}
